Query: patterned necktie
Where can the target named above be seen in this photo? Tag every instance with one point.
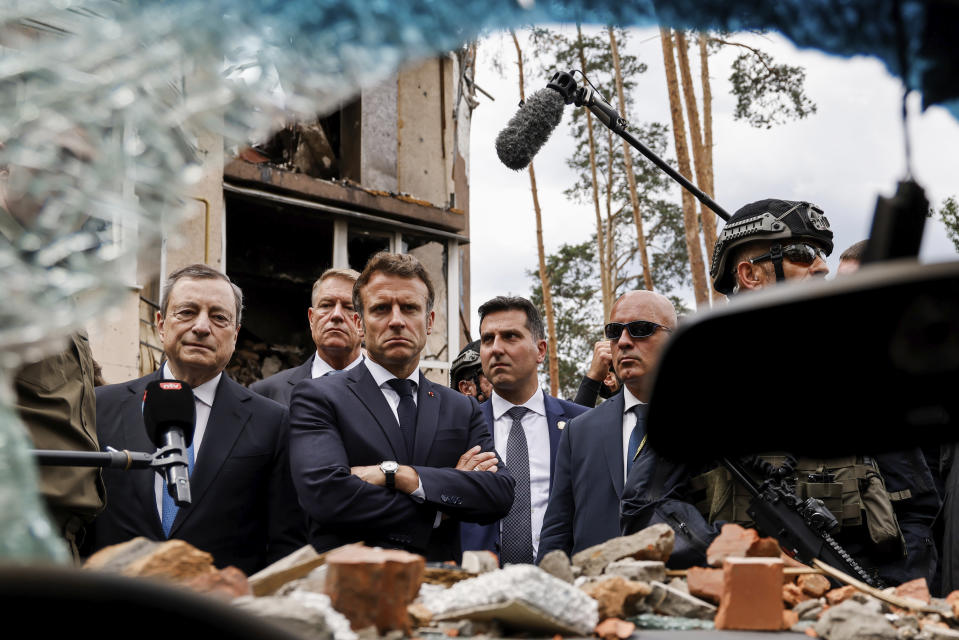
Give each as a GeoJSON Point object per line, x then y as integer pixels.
{"type": "Point", "coordinates": [168, 514]}
{"type": "Point", "coordinates": [637, 435]}
{"type": "Point", "coordinates": [406, 411]}
{"type": "Point", "coordinates": [517, 540]}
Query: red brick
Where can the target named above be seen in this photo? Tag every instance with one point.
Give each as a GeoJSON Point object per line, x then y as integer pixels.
{"type": "Point", "coordinates": [813, 584]}
{"type": "Point", "coordinates": [836, 596]}
{"type": "Point", "coordinates": [732, 542]}
{"type": "Point", "coordinates": [792, 594]}
{"type": "Point", "coordinates": [752, 594]}
{"type": "Point", "coordinates": [705, 583]}
{"type": "Point", "coordinates": [374, 586]}
{"type": "Point", "coordinates": [616, 596]}
{"type": "Point", "coordinates": [915, 589]}
{"type": "Point", "coordinates": [614, 629]}
{"type": "Point", "coordinates": [764, 548]}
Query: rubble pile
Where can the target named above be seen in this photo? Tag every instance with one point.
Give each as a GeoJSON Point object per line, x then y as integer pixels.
{"type": "Point", "coordinates": [608, 591]}
{"type": "Point", "coordinates": [253, 361]}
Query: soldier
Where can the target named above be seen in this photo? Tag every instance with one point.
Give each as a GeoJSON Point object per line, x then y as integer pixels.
{"type": "Point", "coordinates": [885, 504]}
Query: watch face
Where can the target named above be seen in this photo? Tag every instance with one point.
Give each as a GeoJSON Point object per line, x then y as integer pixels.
{"type": "Point", "coordinates": [389, 466]}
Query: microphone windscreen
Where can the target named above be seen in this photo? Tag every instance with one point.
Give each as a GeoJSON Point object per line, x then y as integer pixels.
{"type": "Point", "coordinates": [166, 404]}
{"type": "Point", "coordinates": [530, 128]}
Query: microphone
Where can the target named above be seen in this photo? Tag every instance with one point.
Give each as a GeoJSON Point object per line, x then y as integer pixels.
{"type": "Point", "coordinates": [530, 128]}
{"type": "Point", "coordinates": [169, 415]}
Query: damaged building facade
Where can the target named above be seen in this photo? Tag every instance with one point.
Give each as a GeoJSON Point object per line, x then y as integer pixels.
{"type": "Point", "coordinates": [388, 171]}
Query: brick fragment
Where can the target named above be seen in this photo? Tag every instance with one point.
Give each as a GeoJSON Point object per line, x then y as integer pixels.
{"type": "Point", "coordinates": [841, 594]}
{"type": "Point", "coordinates": [733, 541]}
{"type": "Point", "coordinates": [652, 543]}
{"type": "Point", "coordinates": [374, 586]}
{"type": "Point", "coordinates": [813, 584]}
{"type": "Point", "coordinates": [953, 599]}
{"type": "Point", "coordinates": [226, 584]}
{"type": "Point", "coordinates": [764, 548]}
{"type": "Point", "coordinates": [809, 631]}
{"type": "Point", "coordinates": [916, 589]}
{"type": "Point", "coordinates": [792, 594]}
{"type": "Point", "coordinates": [705, 583]}
{"type": "Point", "coordinates": [751, 598]}
{"type": "Point", "coordinates": [790, 618]}
{"type": "Point", "coordinates": [615, 629]}
{"type": "Point", "coordinates": [616, 596]}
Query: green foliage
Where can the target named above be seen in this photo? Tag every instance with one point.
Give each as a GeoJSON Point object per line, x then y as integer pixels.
{"type": "Point", "coordinates": [767, 93]}
{"type": "Point", "coordinates": [949, 214]}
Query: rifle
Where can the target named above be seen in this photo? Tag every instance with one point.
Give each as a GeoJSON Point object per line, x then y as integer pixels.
{"type": "Point", "coordinates": [802, 527]}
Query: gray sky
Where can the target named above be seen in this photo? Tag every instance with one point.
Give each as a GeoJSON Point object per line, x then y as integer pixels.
{"type": "Point", "coordinates": [840, 158]}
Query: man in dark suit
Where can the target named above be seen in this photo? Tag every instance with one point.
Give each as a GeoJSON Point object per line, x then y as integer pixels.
{"type": "Point", "coordinates": [380, 454]}
{"type": "Point", "coordinates": [597, 449]}
{"type": "Point", "coordinates": [525, 421]}
{"type": "Point", "coordinates": [244, 508]}
{"type": "Point", "coordinates": [335, 332]}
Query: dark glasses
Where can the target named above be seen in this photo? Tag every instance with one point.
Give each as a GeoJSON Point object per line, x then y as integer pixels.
{"type": "Point", "coordinates": [800, 252]}
{"type": "Point", "coordinates": [636, 329]}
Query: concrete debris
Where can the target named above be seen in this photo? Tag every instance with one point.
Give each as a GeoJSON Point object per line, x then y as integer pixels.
{"type": "Point", "coordinates": [671, 602]}
{"type": "Point", "coordinates": [935, 632]}
{"type": "Point", "coordinates": [792, 595]}
{"type": "Point", "coordinates": [117, 556]}
{"type": "Point", "coordinates": [480, 561]}
{"type": "Point", "coordinates": [678, 584]}
{"type": "Point", "coordinates": [751, 598]}
{"type": "Point", "coordinates": [614, 629]}
{"type": "Point", "coordinates": [445, 576]}
{"type": "Point", "coordinates": [735, 541]}
{"type": "Point", "coordinates": [556, 563]}
{"type": "Point", "coordinates": [642, 570]}
{"type": "Point", "coordinates": [705, 583]}
{"type": "Point", "coordinates": [616, 596]}
{"type": "Point", "coordinates": [789, 619]}
{"type": "Point", "coordinates": [314, 582]}
{"type": "Point", "coordinates": [140, 558]}
{"type": "Point", "coordinates": [953, 600]}
{"type": "Point", "coordinates": [652, 543]}
{"type": "Point", "coordinates": [814, 585]}
{"type": "Point", "coordinates": [294, 566]}
{"type": "Point", "coordinates": [671, 623]}
{"type": "Point", "coordinates": [853, 620]}
{"type": "Point", "coordinates": [809, 609]}
{"type": "Point", "coordinates": [539, 591]}
{"type": "Point", "coordinates": [835, 596]}
{"type": "Point", "coordinates": [309, 615]}
{"type": "Point", "coordinates": [226, 584]}
{"type": "Point", "coordinates": [916, 589]}
{"type": "Point", "coordinates": [373, 586]}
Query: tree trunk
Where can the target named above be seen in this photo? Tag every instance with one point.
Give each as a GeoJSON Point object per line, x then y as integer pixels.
{"type": "Point", "coordinates": [611, 265]}
{"type": "Point", "coordinates": [543, 276]}
{"type": "Point", "coordinates": [604, 277]}
{"type": "Point", "coordinates": [690, 221]}
{"type": "Point", "coordinates": [630, 176]}
{"type": "Point", "coordinates": [706, 216]}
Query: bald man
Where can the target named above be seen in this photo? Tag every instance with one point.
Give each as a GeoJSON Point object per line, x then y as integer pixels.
{"type": "Point", "coordinates": [597, 449]}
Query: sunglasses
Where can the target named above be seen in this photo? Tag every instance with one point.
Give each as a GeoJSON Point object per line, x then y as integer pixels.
{"type": "Point", "coordinates": [800, 253]}
{"type": "Point", "coordinates": [636, 329]}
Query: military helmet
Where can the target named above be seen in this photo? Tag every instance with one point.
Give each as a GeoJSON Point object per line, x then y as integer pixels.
{"type": "Point", "coordinates": [767, 220]}
{"type": "Point", "coordinates": [466, 364]}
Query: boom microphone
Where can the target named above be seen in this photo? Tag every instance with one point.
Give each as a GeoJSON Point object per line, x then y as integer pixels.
{"type": "Point", "coordinates": [530, 128]}
{"type": "Point", "coordinates": [169, 415]}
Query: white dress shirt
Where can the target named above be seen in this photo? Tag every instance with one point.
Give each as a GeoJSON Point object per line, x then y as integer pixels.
{"type": "Point", "coordinates": [629, 421]}
{"type": "Point", "coordinates": [203, 399]}
{"type": "Point", "coordinates": [537, 443]}
{"type": "Point", "coordinates": [321, 367]}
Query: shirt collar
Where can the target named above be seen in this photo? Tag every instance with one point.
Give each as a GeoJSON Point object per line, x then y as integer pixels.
{"type": "Point", "coordinates": [321, 367]}
{"type": "Point", "coordinates": [382, 376]}
{"type": "Point", "coordinates": [205, 392]}
{"type": "Point", "coordinates": [536, 404]}
{"type": "Point", "coordinates": [629, 400]}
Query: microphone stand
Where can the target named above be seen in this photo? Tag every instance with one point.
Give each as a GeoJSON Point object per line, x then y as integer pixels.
{"type": "Point", "coordinates": [159, 461]}
{"type": "Point", "coordinates": [588, 97]}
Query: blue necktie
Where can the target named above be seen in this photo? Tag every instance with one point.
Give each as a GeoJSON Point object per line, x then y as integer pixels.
{"type": "Point", "coordinates": [169, 506]}
{"type": "Point", "coordinates": [636, 437]}
{"type": "Point", "coordinates": [406, 412]}
{"type": "Point", "coordinates": [517, 541]}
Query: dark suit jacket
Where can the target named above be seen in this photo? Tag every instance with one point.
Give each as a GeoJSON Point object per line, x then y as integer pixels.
{"type": "Point", "coordinates": [475, 536]}
{"type": "Point", "coordinates": [244, 508]}
{"type": "Point", "coordinates": [584, 501]}
{"type": "Point", "coordinates": [345, 421]}
{"type": "Point", "coordinates": [279, 386]}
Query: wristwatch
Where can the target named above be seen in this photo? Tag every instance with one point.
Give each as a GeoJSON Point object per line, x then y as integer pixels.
{"type": "Point", "coordinates": [389, 467]}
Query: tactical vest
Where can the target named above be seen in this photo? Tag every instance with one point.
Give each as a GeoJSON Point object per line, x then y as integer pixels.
{"type": "Point", "coordinates": [851, 488]}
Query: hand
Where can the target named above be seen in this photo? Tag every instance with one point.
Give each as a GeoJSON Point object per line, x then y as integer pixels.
{"type": "Point", "coordinates": [477, 460]}
{"type": "Point", "coordinates": [370, 474]}
{"type": "Point", "coordinates": [602, 358]}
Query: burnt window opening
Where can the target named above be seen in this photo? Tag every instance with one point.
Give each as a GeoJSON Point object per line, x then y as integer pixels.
{"type": "Point", "coordinates": [274, 253]}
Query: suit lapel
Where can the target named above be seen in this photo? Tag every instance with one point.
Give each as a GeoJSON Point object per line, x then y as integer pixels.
{"type": "Point", "coordinates": [427, 418]}
{"type": "Point", "coordinates": [302, 372]}
{"type": "Point", "coordinates": [135, 439]}
{"type": "Point", "coordinates": [612, 438]}
{"type": "Point", "coordinates": [361, 382]}
{"type": "Point", "coordinates": [554, 415]}
{"type": "Point", "coordinates": [227, 419]}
